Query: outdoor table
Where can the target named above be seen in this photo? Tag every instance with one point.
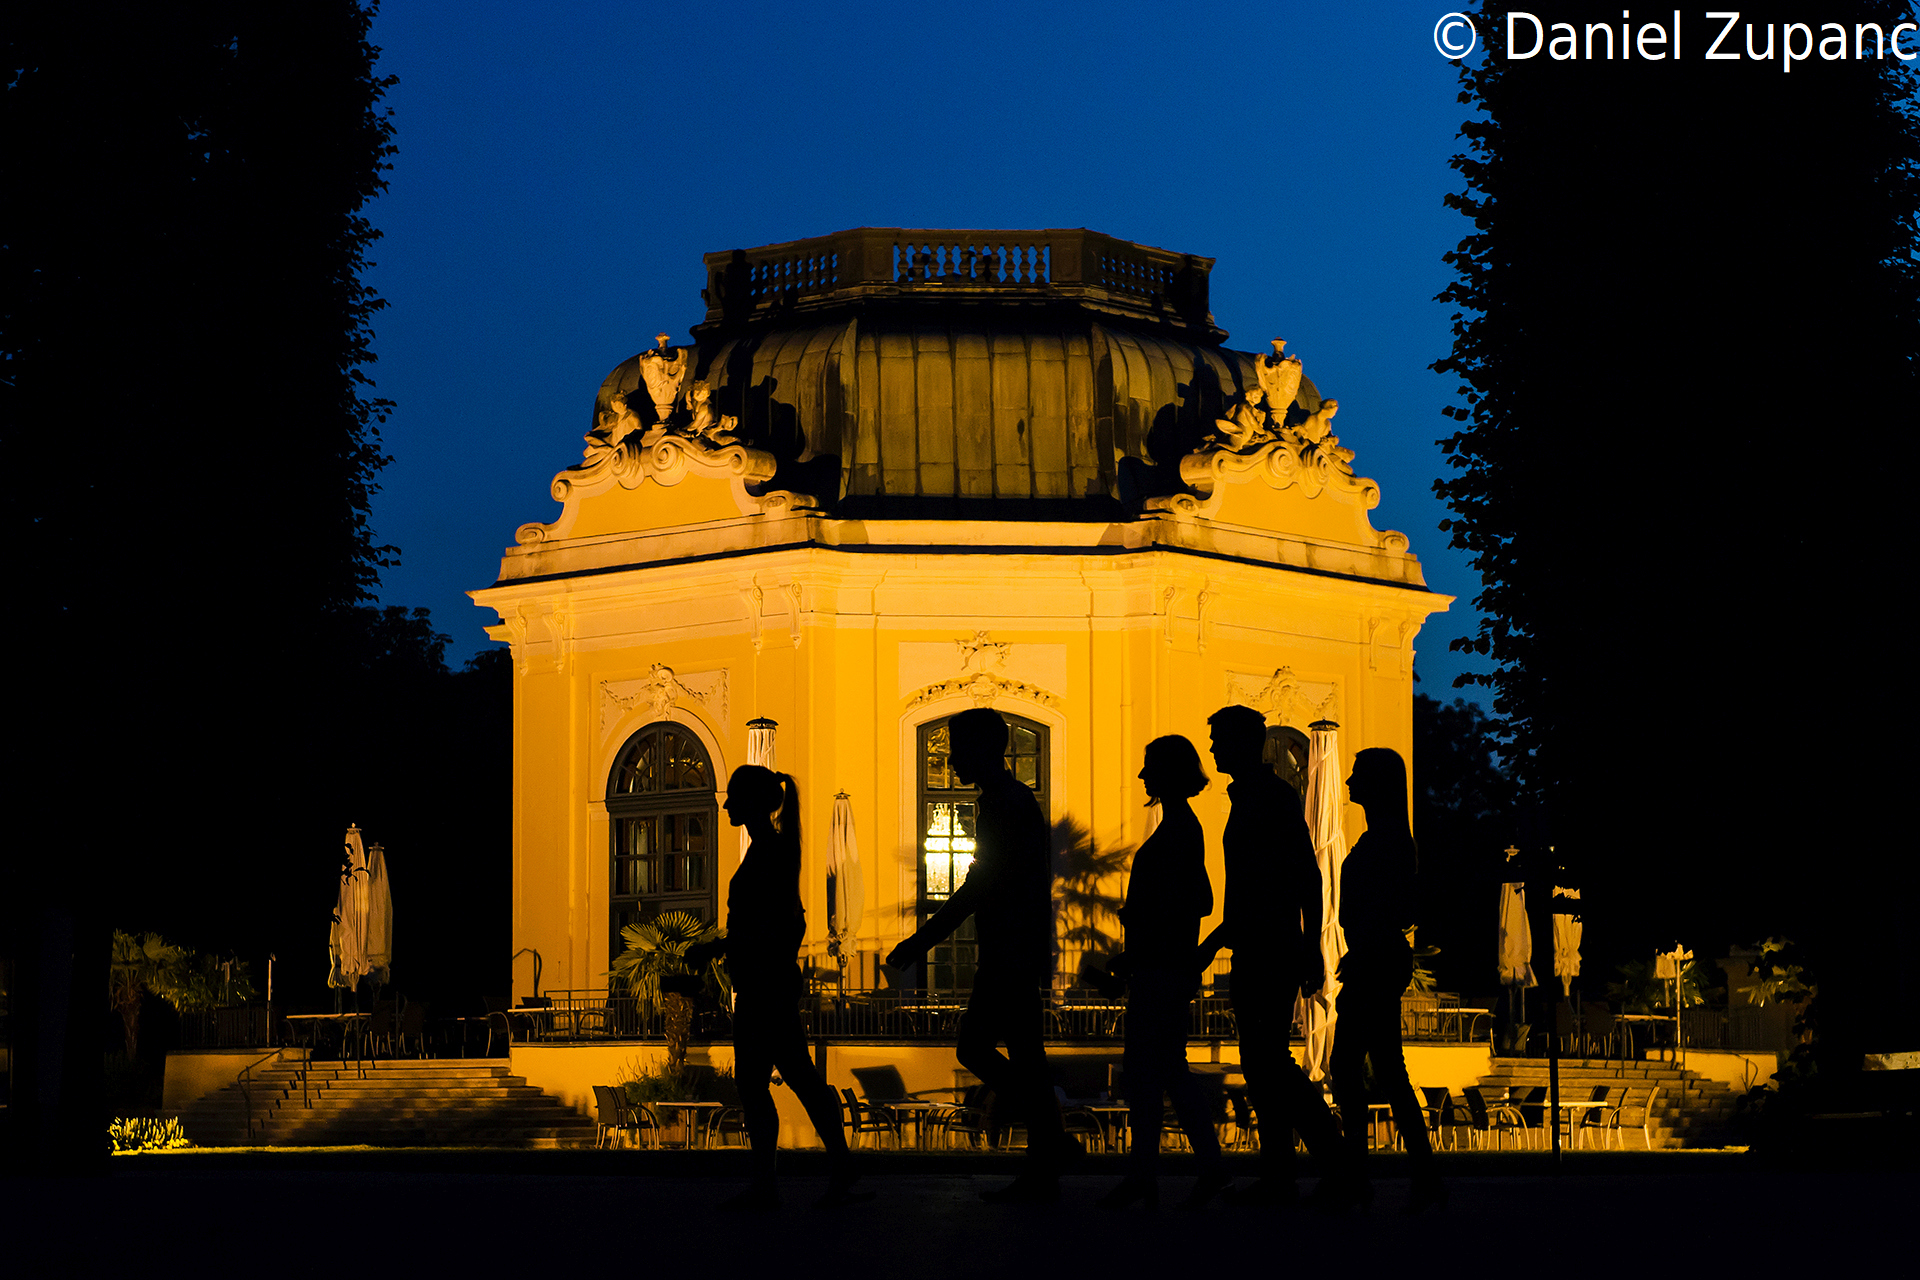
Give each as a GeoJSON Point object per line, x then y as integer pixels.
{"type": "Point", "coordinates": [1567, 1109]}
{"type": "Point", "coordinates": [313, 1022]}
{"type": "Point", "coordinates": [946, 1012]}
{"type": "Point", "coordinates": [693, 1122]}
{"type": "Point", "coordinates": [1380, 1117]}
{"type": "Point", "coordinates": [1472, 1016]}
{"type": "Point", "coordinates": [1109, 1024]}
{"type": "Point", "coordinates": [1632, 1019]}
{"type": "Point", "coordinates": [539, 1018]}
{"type": "Point", "coordinates": [1113, 1122]}
{"type": "Point", "coordinates": [915, 1109]}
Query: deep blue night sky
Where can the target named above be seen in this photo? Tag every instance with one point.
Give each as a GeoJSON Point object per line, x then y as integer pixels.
{"type": "Point", "coordinates": [562, 168]}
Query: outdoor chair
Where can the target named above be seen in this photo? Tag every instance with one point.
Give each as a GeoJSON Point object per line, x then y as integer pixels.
{"type": "Point", "coordinates": [1617, 1119]}
{"type": "Point", "coordinates": [969, 1124]}
{"type": "Point", "coordinates": [1566, 1025]}
{"type": "Point", "coordinates": [1239, 1134]}
{"type": "Point", "coordinates": [607, 1115]}
{"type": "Point", "coordinates": [868, 1118]}
{"type": "Point", "coordinates": [1492, 1120]}
{"type": "Point", "coordinates": [1533, 1108]}
{"type": "Point", "coordinates": [413, 1028]}
{"type": "Point", "coordinates": [1082, 1125]}
{"type": "Point", "coordinates": [498, 1024]}
{"type": "Point", "coordinates": [637, 1120]}
{"type": "Point", "coordinates": [1599, 1027]}
{"type": "Point", "coordinates": [379, 1030]}
{"type": "Point", "coordinates": [1592, 1124]}
{"type": "Point", "coordinates": [728, 1121]}
{"type": "Point", "coordinates": [1442, 1123]}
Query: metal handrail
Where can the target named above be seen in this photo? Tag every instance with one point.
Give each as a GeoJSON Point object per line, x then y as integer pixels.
{"type": "Point", "coordinates": [246, 1085]}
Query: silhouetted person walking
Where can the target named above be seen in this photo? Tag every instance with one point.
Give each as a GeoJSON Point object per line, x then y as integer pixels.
{"type": "Point", "coordinates": [1376, 910]}
{"type": "Point", "coordinates": [765, 925]}
{"type": "Point", "coordinates": [1272, 924]}
{"type": "Point", "coordinates": [1168, 895]}
{"type": "Point", "coordinates": [1009, 893]}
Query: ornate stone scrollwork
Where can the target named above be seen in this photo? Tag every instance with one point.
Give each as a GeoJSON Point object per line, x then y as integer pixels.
{"type": "Point", "coordinates": [658, 691]}
{"type": "Point", "coordinates": [687, 438]}
{"type": "Point", "coordinates": [1285, 697]}
{"type": "Point", "coordinates": [1254, 439]}
{"type": "Point", "coordinates": [984, 688]}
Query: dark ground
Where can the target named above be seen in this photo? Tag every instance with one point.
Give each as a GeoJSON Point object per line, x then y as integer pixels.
{"type": "Point", "coordinates": [432, 1213]}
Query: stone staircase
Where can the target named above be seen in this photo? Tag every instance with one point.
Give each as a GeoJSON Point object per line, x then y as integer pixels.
{"type": "Point", "coordinates": [394, 1103]}
{"type": "Point", "coordinates": [1689, 1111]}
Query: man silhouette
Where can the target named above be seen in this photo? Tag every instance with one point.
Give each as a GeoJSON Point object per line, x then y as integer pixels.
{"type": "Point", "coordinates": [1271, 922]}
{"type": "Point", "coordinates": [1009, 893]}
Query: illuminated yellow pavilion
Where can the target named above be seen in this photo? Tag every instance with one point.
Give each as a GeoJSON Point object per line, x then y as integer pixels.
{"type": "Point", "coordinates": [895, 475]}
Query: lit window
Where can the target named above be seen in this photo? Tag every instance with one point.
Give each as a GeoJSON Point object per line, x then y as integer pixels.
{"type": "Point", "coordinates": [665, 814]}
{"type": "Point", "coordinates": [947, 815]}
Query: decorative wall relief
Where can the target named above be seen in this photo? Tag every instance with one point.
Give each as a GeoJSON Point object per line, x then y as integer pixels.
{"type": "Point", "coordinates": [659, 691]}
{"type": "Point", "coordinates": [984, 689]}
{"type": "Point", "coordinates": [989, 670]}
{"type": "Point", "coordinates": [1284, 697]}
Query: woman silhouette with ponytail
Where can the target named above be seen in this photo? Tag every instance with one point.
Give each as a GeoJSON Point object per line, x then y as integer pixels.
{"type": "Point", "coordinates": [1377, 907]}
{"type": "Point", "coordinates": [765, 925]}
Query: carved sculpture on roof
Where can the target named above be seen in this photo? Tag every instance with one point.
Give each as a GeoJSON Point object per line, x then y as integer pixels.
{"type": "Point", "coordinates": [664, 369]}
{"type": "Point", "coordinates": [1266, 433]}
{"type": "Point", "coordinates": [702, 424]}
{"type": "Point", "coordinates": [687, 437]}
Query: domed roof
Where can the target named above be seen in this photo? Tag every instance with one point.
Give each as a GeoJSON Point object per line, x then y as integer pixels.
{"type": "Point", "coordinates": [898, 372]}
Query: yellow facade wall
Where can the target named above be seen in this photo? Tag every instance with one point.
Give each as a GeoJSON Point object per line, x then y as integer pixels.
{"type": "Point", "coordinates": [850, 635]}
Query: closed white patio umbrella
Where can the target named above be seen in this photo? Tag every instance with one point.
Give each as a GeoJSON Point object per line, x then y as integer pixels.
{"type": "Point", "coordinates": [379, 941]}
{"type": "Point", "coordinates": [1566, 942]}
{"type": "Point", "coordinates": [1325, 813]}
{"type": "Point", "coordinates": [1516, 937]}
{"type": "Point", "coordinates": [361, 939]}
{"type": "Point", "coordinates": [846, 899]}
{"type": "Point", "coordinates": [348, 940]}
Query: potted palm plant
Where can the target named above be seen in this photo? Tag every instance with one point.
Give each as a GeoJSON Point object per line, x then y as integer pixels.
{"type": "Point", "coordinates": [653, 970]}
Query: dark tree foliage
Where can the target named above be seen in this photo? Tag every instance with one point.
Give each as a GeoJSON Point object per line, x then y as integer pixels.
{"type": "Point", "coordinates": [1462, 819]}
{"type": "Point", "coordinates": [188, 448]}
{"type": "Point", "coordinates": [1688, 349]}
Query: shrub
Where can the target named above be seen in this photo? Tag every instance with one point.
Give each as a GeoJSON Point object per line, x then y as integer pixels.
{"type": "Point", "coordinates": [144, 1133]}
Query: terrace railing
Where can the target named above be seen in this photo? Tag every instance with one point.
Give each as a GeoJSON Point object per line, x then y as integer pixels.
{"type": "Point", "coordinates": [1074, 1014]}
{"type": "Point", "coordinates": [246, 1026]}
{"type": "Point", "coordinates": [923, 264]}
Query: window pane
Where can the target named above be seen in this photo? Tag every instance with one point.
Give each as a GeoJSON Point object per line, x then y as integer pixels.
{"type": "Point", "coordinates": [939, 881]}
{"type": "Point", "coordinates": [638, 775]}
{"type": "Point", "coordinates": [939, 819]}
{"type": "Point", "coordinates": [937, 844]}
{"type": "Point", "coordinates": [1025, 741]}
{"type": "Point", "coordinates": [1027, 770]}
{"type": "Point", "coordinates": [697, 832]}
{"type": "Point", "coordinates": [963, 819]}
{"type": "Point", "coordinates": [962, 863]}
{"type": "Point", "coordinates": [696, 871]}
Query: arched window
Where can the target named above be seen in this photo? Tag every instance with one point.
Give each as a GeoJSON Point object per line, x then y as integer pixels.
{"type": "Point", "coordinates": [947, 810]}
{"type": "Point", "coordinates": [661, 800]}
{"type": "Point", "coordinates": [1286, 751]}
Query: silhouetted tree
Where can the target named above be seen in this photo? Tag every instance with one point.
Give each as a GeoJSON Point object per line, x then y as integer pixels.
{"type": "Point", "coordinates": [188, 446]}
{"type": "Point", "coordinates": [1689, 333]}
{"type": "Point", "coordinates": [1462, 820]}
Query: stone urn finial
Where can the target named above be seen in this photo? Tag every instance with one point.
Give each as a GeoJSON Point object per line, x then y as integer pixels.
{"type": "Point", "coordinates": [663, 339]}
{"type": "Point", "coordinates": [1279, 347]}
